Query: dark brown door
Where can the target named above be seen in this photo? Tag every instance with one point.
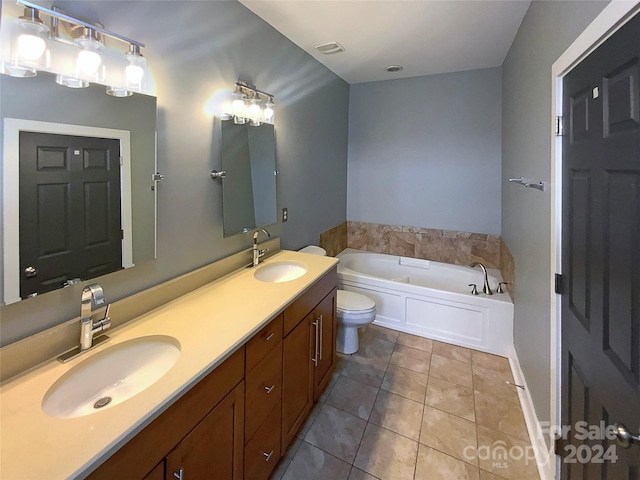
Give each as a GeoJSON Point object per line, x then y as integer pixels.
{"type": "Point", "coordinates": [70, 224]}
{"type": "Point", "coordinates": [601, 259]}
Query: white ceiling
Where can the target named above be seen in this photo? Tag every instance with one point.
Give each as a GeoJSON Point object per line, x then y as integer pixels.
{"type": "Point", "coordinates": [426, 37]}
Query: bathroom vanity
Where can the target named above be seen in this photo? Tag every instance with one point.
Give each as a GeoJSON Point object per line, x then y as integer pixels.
{"type": "Point", "coordinates": [255, 355]}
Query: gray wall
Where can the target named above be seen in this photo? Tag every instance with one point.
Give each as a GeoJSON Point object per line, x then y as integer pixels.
{"type": "Point", "coordinates": [425, 151]}
{"type": "Point", "coordinates": [547, 30]}
{"type": "Point", "coordinates": [196, 48]}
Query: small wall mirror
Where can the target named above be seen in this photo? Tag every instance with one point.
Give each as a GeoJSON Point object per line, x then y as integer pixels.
{"type": "Point", "coordinates": [249, 187]}
{"type": "Point", "coordinates": [78, 199]}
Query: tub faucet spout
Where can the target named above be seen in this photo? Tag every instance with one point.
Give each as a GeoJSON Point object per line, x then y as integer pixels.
{"type": "Point", "coordinates": [486, 289]}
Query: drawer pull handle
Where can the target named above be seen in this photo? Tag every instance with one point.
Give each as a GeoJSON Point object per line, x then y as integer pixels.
{"type": "Point", "coordinates": [178, 474]}
{"type": "Point", "coordinates": [269, 389]}
{"type": "Point", "coordinates": [269, 337]}
{"type": "Point", "coordinates": [267, 456]}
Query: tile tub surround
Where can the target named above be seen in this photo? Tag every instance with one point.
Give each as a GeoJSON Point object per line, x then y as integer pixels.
{"type": "Point", "coordinates": [334, 240]}
{"type": "Point", "coordinates": [389, 414]}
{"type": "Point", "coordinates": [448, 246]}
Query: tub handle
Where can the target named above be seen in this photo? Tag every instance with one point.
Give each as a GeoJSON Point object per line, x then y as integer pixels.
{"type": "Point", "coordinates": [500, 289]}
{"type": "Point", "coordinates": [474, 289]}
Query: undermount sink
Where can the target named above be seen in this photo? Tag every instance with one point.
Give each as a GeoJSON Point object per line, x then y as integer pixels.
{"type": "Point", "coordinates": [279, 272]}
{"type": "Point", "coordinates": [112, 376]}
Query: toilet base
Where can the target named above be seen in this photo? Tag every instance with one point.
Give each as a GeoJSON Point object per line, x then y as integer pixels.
{"type": "Point", "coordinates": [347, 339]}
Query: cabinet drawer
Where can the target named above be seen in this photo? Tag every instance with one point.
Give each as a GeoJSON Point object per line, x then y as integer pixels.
{"type": "Point", "coordinates": [264, 390]}
{"type": "Point", "coordinates": [262, 453]}
{"type": "Point", "coordinates": [299, 309]}
{"type": "Point", "coordinates": [263, 342]}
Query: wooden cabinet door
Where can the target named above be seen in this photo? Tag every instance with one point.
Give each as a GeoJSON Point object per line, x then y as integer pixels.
{"type": "Point", "coordinates": [157, 473]}
{"type": "Point", "coordinates": [214, 448]}
{"type": "Point", "coordinates": [297, 378]}
{"type": "Point", "coordinates": [325, 315]}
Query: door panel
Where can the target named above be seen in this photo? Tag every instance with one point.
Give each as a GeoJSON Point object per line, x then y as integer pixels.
{"type": "Point", "coordinates": [601, 256]}
{"type": "Point", "coordinates": [70, 225]}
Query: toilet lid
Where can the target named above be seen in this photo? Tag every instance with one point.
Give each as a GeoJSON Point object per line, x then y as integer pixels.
{"type": "Point", "coordinates": [351, 301]}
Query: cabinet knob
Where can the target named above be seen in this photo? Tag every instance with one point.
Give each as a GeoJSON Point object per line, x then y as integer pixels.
{"type": "Point", "coordinates": [178, 474]}
{"type": "Point", "coordinates": [269, 389]}
{"type": "Point", "coordinates": [267, 456]}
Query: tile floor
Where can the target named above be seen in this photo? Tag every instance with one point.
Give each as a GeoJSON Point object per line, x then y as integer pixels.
{"type": "Point", "coordinates": [410, 408]}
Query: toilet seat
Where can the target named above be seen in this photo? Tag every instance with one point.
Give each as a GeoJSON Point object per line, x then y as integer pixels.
{"type": "Point", "coordinates": [354, 303]}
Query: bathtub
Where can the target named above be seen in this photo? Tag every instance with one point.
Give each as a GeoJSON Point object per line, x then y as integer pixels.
{"type": "Point", "coordinates": [431, 299]}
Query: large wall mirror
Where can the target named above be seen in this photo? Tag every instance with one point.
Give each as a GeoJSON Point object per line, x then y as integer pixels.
{"type": "Point", "coordinates": [78, 198]}
{"type": "Point", "coordinates": [249, 187]}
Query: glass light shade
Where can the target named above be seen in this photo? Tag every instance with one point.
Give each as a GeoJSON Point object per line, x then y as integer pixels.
{"type": "Point", "coordinates": [255, 111]}
{"type": "Point", "coordinates": [239, 120]}
{"type": "Point", "coordinates": [31, 43]}
{"type": "Point", "coordinates": [89, 58]}
{"type": "Point", "coordinates": [268, 111]}
{"type": "Point", "coordinates": [71, 82]}
{"type": "Point", "coordinates": [119, 92]}
{"type": "Point", "coordinates": [135, 71]}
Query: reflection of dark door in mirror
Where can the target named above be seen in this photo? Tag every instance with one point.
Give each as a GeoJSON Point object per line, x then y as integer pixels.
{"type": "Point", "coordinates": [70, 213]}
{"type": "Point", "coordinates": [249, 188]}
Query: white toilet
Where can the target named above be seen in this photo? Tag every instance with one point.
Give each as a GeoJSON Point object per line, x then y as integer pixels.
{"type": "Point", "coordinates": [353, 310]}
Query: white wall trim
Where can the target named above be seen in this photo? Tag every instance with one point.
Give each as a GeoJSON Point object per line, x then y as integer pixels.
{"type": "Point", "coordinates": [612, 17]}
{"type": "Point", "coordinates": [544, 458]}
{"type": "Point", "coordinates": [11, 197]}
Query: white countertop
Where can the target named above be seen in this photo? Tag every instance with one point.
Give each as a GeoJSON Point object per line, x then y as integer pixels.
{"type": "Point", "coordinates": [210, 323]}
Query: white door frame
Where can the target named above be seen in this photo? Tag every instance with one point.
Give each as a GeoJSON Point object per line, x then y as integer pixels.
{"type": "Point", "coordinates": [11, 197]}
{"type": "Point", "coordinates": [612, 17]}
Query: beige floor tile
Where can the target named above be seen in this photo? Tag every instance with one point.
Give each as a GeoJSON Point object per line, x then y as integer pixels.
{"type": "Point", "coordinates": [449, 434]}
{"type": "Point", "coordinates": [490, 362]}
{"type": "Point", "coordinates": [414, 341]}
{"type": "Point", "coordinates": [311, 463]}
{"type": "Point", "coordinates": [494, 383]}
{"type": "Point", "coordinates": [366, 370]}
{"type": "Point", "coordinates": [505, 456]}
{"type": "Point", "coordinates": [386, 455]}
{"type": "Point", "coordinates": [411, 358]}
{"type": "Point", "coordinates": [357, 474]}
{"type": "Point", "coordinates": [385, 333]}
{"type": "Point", "coordinates": [375, 347]}
{"type": "Point", "coordinates": [499, 414]}
{"type": "Point", "coordinates": [398, 414]}
{"type": "Point", "coordinates": [336, 432]}
{"type": "Point", "coordinates": [453, 371]}
{"type": "Point", "coordinates": [435, 465]}
{"type": "Point", "coordinates": [406, 383]}
{"type": "Point", "coordinates": [450, 398]}
{"type": "Point", "coordinates": [353, 397]}
{"type": "Point", "coordinates": [452, 351]}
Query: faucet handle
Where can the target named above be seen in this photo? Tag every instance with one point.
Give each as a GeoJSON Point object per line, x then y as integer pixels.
{"type": "Point", "coordinates": [474, 289]}
{"type": "Point", "coordinates": [500, 289]}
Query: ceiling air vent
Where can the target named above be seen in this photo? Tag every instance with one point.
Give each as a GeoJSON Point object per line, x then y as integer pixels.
{"type": "Point", "coordinates": [330, 48]}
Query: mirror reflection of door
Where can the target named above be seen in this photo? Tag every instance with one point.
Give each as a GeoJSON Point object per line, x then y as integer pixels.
{"type": "Point", "coordinates": [70, 225]}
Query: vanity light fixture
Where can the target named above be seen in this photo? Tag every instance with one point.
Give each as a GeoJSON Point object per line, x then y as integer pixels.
{"type": "Point", "coordinates": [248, 104]}
{"type": "Point", "coordinates": [76, 58]}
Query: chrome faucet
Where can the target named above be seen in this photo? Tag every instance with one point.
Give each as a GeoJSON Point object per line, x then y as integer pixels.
{"type": "Point", "coordinates": [486, 288]}
{"type": "Point", "coordinates": [92, 296]}
{"type": "Point", "coordinates": [258, 253]}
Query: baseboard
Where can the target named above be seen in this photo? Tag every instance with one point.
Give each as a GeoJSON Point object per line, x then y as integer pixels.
{"type": "Point", "coordinates": [544, 458]}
